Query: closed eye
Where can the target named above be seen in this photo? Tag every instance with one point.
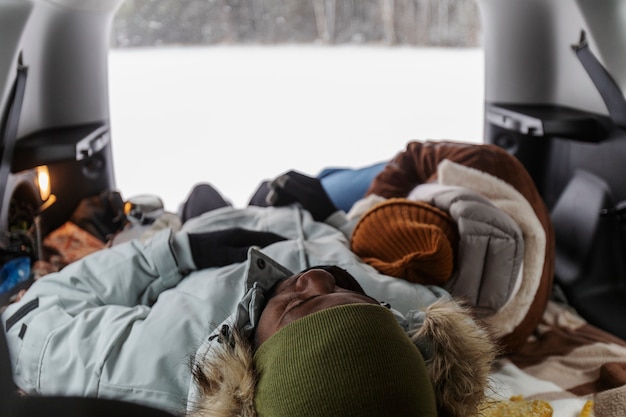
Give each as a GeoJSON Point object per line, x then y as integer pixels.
{"type": "Point", "coordinates": [292, 300]}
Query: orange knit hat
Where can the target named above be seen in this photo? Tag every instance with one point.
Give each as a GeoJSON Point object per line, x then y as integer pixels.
{"type": "Point", "coordinates": [407, 239]}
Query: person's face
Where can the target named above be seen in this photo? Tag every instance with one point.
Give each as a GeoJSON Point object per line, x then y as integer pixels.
{"type": "Point", "coordinates": [305, 293]}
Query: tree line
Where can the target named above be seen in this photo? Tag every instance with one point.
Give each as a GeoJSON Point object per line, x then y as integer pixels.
{"type": "Point", "coordinates": [206, 22]}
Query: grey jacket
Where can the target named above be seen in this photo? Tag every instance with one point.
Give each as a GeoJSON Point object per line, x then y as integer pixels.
{"type": "Point", "coordinates": [126, 322]}
{"type": "Point", "coordinates": [490, 251]}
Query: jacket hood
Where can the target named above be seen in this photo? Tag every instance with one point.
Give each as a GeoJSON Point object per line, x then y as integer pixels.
{"type": "Point", "coordinates": [511, 317]}
{"type": "Point", "coordinates": [226, 380]}
{"type": "Point", "coordinates": [458, 360]}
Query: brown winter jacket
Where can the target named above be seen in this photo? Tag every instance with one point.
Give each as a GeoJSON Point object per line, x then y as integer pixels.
{"type": "Point", "coordinates": [418, 164]}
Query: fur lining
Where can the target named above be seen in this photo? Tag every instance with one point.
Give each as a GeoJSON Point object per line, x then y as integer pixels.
{"type": "Point", "coordinates": [462, 356]}
{"type": "Point", "coordinates": [226, 380]}
{"type": "Point", "coordinates": [362, 206]}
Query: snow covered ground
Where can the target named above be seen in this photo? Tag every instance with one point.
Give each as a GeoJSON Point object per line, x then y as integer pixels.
{"type": "Point", "coordinates": [234, 115]}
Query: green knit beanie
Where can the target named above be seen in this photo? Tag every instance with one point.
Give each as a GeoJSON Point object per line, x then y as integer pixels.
{"type": "Point", "coordinates": [350, 360]}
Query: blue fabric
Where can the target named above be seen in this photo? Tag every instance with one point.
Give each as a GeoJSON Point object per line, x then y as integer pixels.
{"type": "Point", "coordinates": [345, 186]}
{"type": "Point", "coordinates": [14, 272]}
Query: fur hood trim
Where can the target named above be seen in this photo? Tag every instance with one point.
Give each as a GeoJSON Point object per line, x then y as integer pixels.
{"type": "Point", "coordinates": [462, 354]}
{"type": "Point", "coordinates": [226, 380]}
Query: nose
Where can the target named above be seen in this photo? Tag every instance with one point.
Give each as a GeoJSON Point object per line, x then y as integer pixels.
{"type": "Point", "coordinates": [315, 282]}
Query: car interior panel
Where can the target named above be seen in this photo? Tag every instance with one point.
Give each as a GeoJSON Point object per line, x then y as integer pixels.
{"type": "Point", "coordinates": [555, 76]}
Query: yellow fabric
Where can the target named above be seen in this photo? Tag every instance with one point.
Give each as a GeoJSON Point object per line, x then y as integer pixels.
{"type": "Point", "coordinates": [517, 406]}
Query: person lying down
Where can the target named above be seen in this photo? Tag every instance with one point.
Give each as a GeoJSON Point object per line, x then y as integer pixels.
{"type": "Point", "coordinates": [279, 316]}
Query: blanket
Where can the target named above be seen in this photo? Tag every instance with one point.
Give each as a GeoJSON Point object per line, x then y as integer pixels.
{"type": "Point", "coordinates": [568, 363]}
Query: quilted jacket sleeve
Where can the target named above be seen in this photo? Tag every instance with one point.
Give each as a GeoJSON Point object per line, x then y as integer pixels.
{"type": "Point", "coordinates": [69, 334]}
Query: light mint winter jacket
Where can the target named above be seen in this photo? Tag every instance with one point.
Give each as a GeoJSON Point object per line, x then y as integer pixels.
{"type": "Point", "coordinates": [126, 322]}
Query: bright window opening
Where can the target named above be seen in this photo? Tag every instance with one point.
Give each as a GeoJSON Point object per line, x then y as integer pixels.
{"type": "Point", "coordinates": [234, 92]}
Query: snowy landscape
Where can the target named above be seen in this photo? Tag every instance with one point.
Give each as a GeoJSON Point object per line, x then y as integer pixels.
{"type": "Point", "coordinates": [235, 115]}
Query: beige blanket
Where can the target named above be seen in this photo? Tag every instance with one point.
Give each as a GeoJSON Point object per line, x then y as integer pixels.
{"type": "Point", "coordinates": [566, 362]}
